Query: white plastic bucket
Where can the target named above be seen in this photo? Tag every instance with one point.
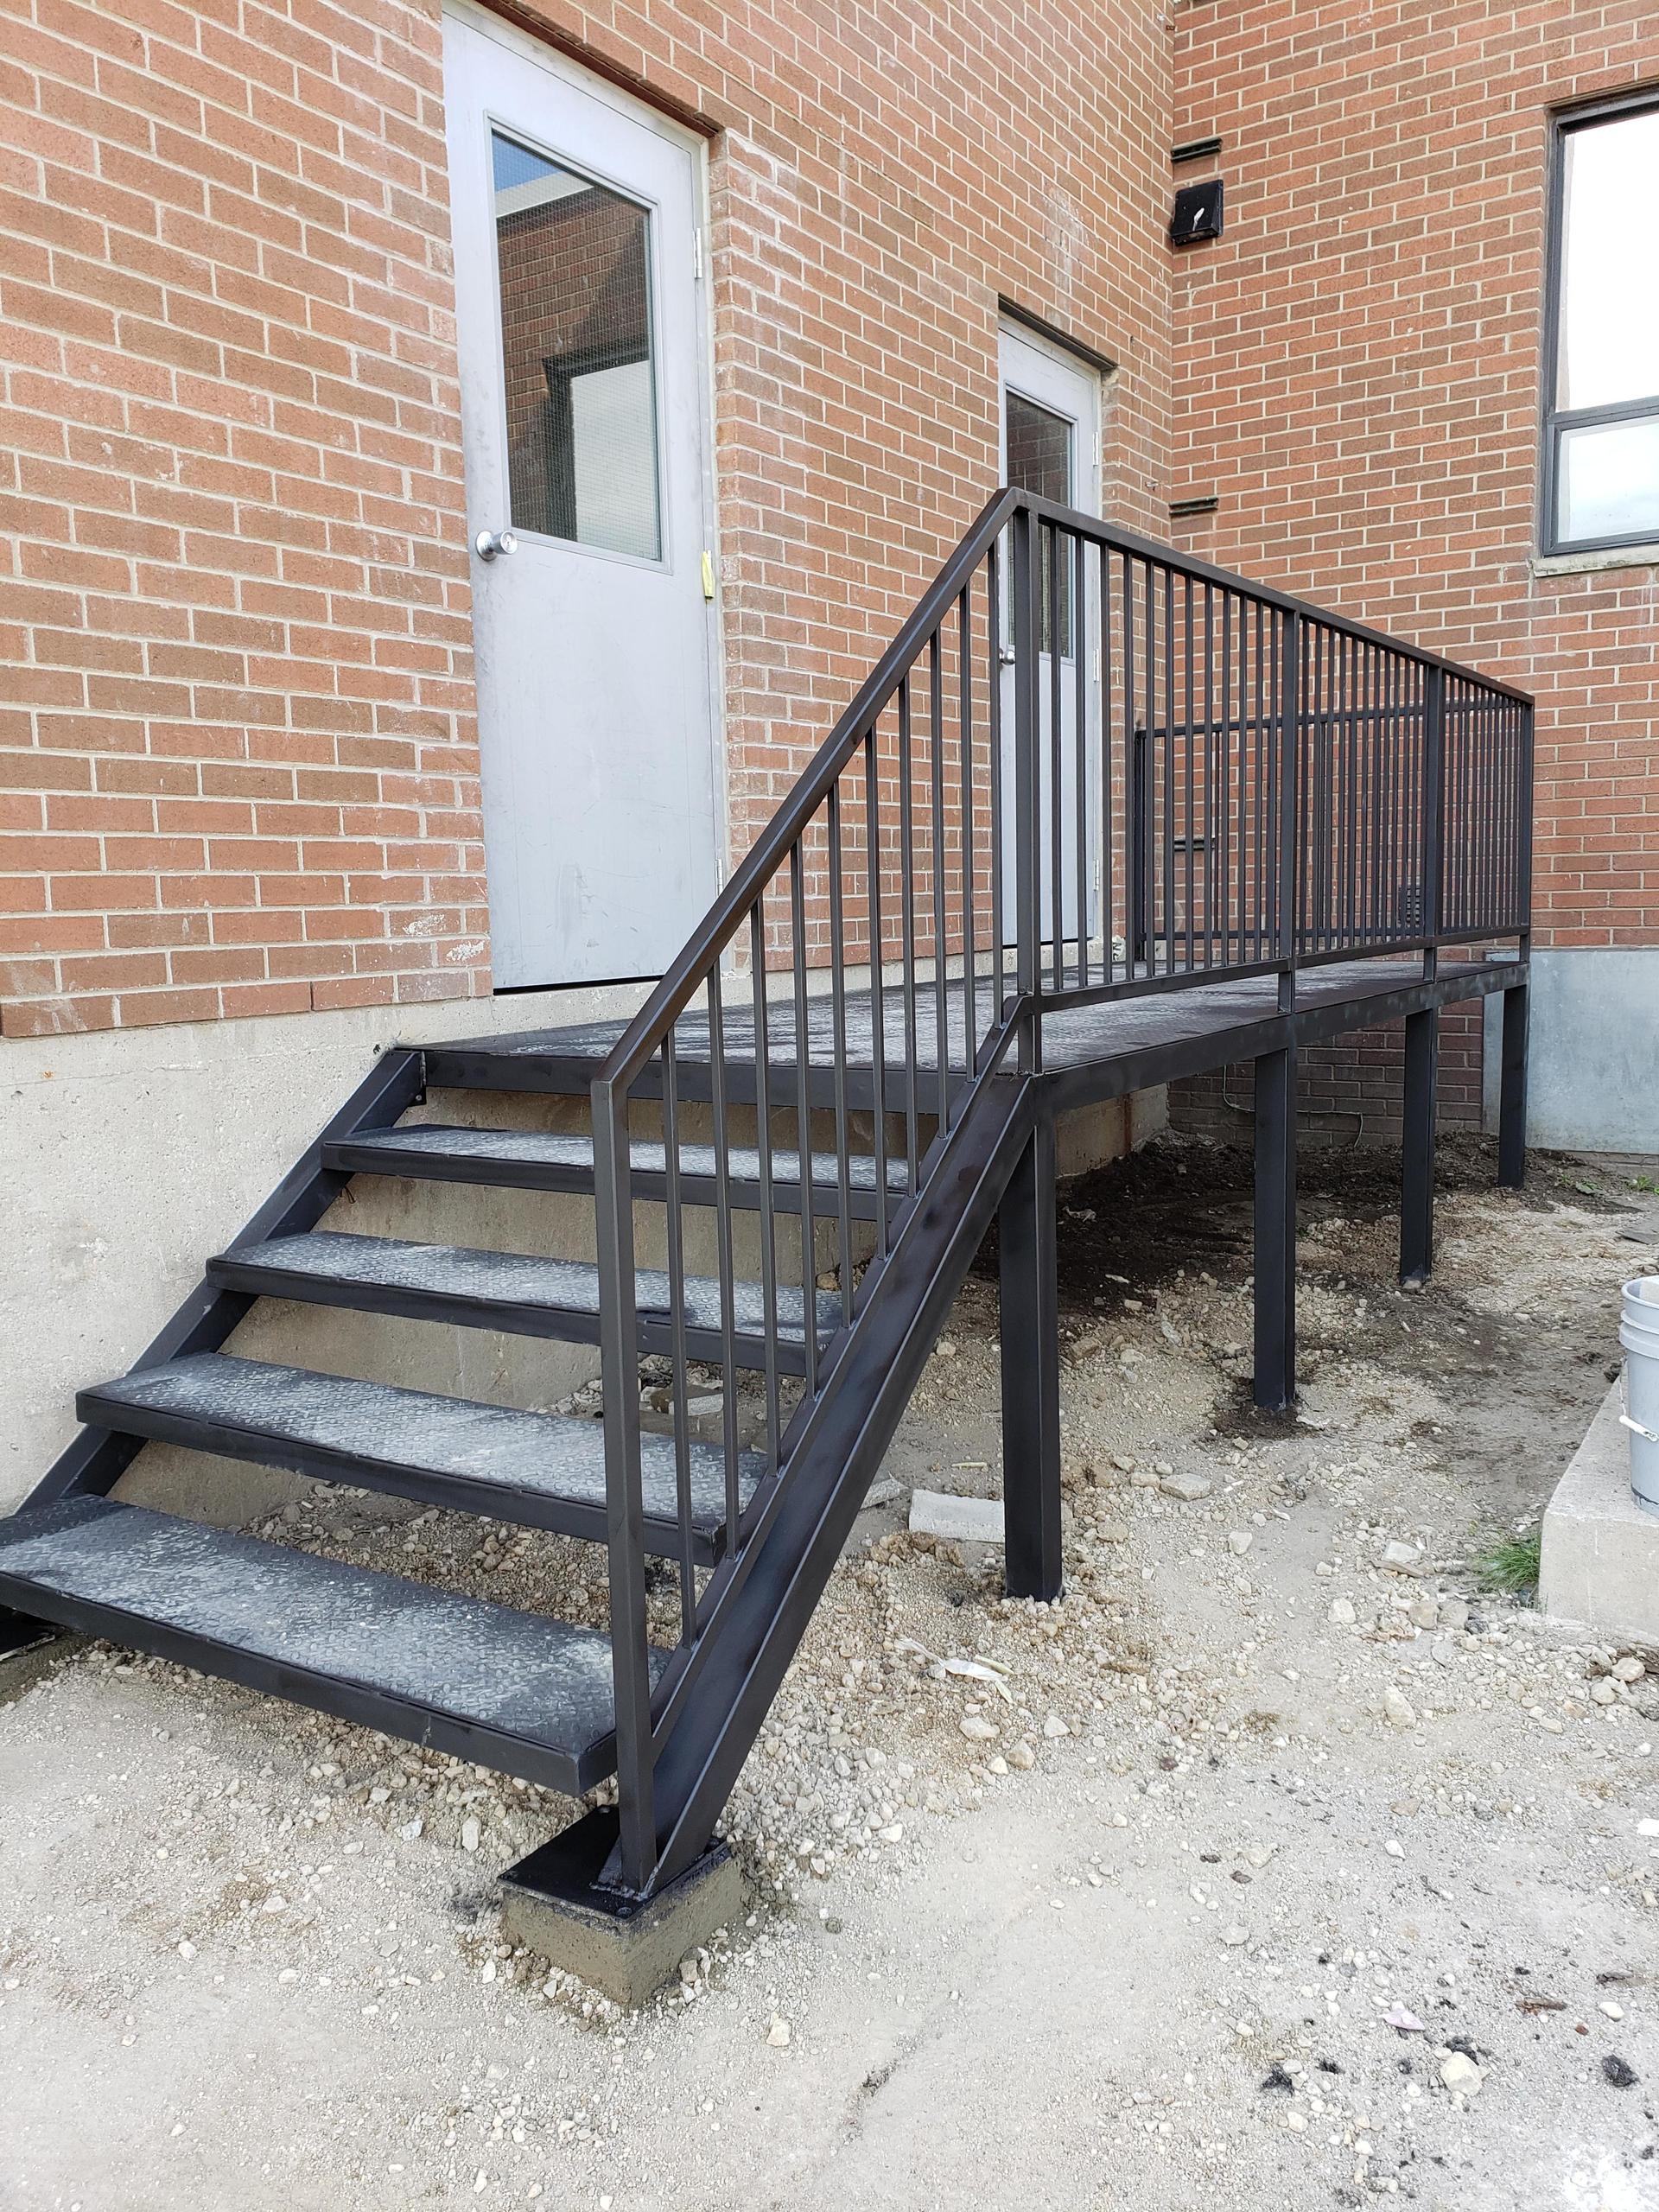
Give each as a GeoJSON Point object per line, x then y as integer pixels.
{"type": "Point", "coordinates": [1638, 1332]}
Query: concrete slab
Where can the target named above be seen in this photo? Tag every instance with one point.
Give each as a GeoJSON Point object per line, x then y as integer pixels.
{"type": "Point", "coordinates": [1599, 1563]}
{"type": "Point", "coordinates": [959, 1520]}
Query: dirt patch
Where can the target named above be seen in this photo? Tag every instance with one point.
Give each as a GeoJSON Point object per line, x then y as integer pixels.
{"type": "Point", "coordinates": [1213, 1883]}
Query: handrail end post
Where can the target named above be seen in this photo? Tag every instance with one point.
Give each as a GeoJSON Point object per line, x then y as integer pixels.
{"type": "Point", "coordinates": [625, 1503]}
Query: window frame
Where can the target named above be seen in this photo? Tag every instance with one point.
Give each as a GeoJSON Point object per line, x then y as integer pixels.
{"type": "Point", "coordinates": [1557, 419]}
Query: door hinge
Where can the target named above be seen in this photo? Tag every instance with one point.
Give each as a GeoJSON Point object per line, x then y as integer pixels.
{"type": "Point", "coordinates": [707, 576]}
{"type": "Point", "coordinates": [697, 255]}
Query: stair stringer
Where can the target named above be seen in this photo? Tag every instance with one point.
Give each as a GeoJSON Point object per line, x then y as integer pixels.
{"type": "Point", "coordinates": [849, 1429]}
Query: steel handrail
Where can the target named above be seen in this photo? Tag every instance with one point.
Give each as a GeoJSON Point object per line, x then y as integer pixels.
{"type": "Point", "coordinates": [639, 1042]}
{"type": "Point", "coordinates": [1309, 708]}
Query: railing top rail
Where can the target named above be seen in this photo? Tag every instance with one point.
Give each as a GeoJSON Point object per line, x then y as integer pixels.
{"type": "Point", "coordinates": [1109, 535]}
{"type": "Point", "coordinates": [685, 975]}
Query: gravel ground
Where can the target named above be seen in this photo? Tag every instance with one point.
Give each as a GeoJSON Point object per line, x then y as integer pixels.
{"type": "Point", "coordinates": [1272, 1864]}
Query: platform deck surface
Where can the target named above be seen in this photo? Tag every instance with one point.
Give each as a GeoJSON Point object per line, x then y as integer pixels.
{"type": "Point", "coordinates": [1196, 1017]}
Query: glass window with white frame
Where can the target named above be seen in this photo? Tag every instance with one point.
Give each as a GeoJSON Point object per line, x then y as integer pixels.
{"type": "Point", "coordinates": [1601, 452]}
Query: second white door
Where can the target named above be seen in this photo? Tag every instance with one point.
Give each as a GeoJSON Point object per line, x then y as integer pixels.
{"type": "Point", "coordinates": [1050, 446]}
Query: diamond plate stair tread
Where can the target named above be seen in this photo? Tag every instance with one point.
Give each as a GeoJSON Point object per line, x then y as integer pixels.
{"type": "Point", "coordinates": [376, 1425]}
{"type": "Point", "coordinates": [518, 1279]}
{"type": "Point", "coordinates": [541, 1681]}
{"type": "Point", "coordinates": [530, 1148]}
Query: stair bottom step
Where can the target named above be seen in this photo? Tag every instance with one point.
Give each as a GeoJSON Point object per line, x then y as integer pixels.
{"type": "Point", "coordinates": [528, 1695]}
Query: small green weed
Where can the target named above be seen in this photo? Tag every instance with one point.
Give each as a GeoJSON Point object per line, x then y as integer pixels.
{"type": "Point", "coordinates": [1509, 1564]}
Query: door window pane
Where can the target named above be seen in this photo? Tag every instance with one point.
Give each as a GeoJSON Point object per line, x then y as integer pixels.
{"type": "Point", "coordinates": [1039, 461]}
{"type": "Point", "coordinates": [1610, 264]}
{"type": "Point", "coordinates": [577, 354]}
{"type": "Point", "coordinates": [1039, 449]}
{"type": "Point", "coordinates": [1608, 484]}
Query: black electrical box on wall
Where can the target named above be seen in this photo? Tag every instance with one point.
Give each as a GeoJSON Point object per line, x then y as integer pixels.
{"type": "Point", "coordinates": [1198, 212]}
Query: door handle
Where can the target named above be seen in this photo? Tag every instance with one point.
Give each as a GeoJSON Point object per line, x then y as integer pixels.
{"type": "Point", "coordinates": [489, 542]}
{"type": "Point", "coordinates": [1007, 656]}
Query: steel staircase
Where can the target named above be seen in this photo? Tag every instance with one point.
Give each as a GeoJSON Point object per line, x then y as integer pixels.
{"type": "Point", "coordinates": [1051, 762]}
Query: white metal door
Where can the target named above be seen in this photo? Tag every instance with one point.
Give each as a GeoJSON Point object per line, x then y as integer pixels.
{"type": "Point", "coordinates": [583, 426]}
{"type": "Point", "coordinates": [1050, 444]}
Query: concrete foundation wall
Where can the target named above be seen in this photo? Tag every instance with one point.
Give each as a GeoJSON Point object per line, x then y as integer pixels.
{"type": "Point", "coordinates": [1592, 1059]}
{"type": "Point", "coordinates": [129, 1157]}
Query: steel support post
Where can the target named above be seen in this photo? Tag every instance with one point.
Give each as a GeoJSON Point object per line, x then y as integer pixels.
{"type": "Point", "coordinates": [1276, 1230]}
{"type": "Point", "coordinates": [1417, 1146]}
{"type": "Point", "coordinates": [1031, 1371]}
{"type": "Point", "coordinates": [1512, 1091]}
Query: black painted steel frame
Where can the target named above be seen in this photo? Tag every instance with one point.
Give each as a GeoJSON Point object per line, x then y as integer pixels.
{"type": "Point", "coordinates": [1133, 772]}
{"type": "Point", "coordinates": [1255, 789]}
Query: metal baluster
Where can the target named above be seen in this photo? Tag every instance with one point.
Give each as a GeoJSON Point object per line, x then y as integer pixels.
{"type": "Point", "coordinates": [838, 1010]}
{"type": "Point", "coordinates": [1027, 827]}
{"type": "Point", "coordinates": [936, 834]}
{"type": "Point", "coordinates": [1134, 785]}
{"type": "Point", "coordinates": [993, 704]}
{"type": "Point", "coordinates": [1348, 818]}
{"type": "Point", "coordinates": [1498, 713]}
{"type": "Point", "coordinates": [1054, 575]}
{"type": "Point", "coordinates": [878, 985]}
{"type": "Point", "coordinates": [1168, 839]}
{"type": "Point", "coordinates": [1288, 776]}
{"type": "Point", "coordinates": [907, 923]}
{"type": "Point", "coordinates": [1211, 812]}
{"type": "Point", "coordinates": [1262, 782]}
{"type": "Point", "coordinates": [1107, 775]}
{"type": "Point", "coordinates": [1319, 735]}
{"type": "Point", "coordinates": [1405, 742]}
{"type": "Point", "coordinates": [1080, 745]}
{"type": "Point", "coordinates": [723, 1243]}
{"type": "Point", "coordinates": [768, 1207]}
{"type": "Point", "coordinates": [1225, 791]}
{"type": "Point", "coordinates": [965, 763]}
{"type": "Point", "coordinates": [804, 1121]}
{"type": "Point", "coordinates": [1189, 746]}
{"type": "Point", "coordinates": [1433, 812]}
{"type": "Point", "coordinates": [676, 1320]}
{"type": "Point", "coordinates": [1379, 792]}
{"type": "Point", "coordinates": [1368, 864]}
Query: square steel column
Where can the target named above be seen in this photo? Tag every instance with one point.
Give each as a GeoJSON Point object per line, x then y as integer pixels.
{"type": "Point", "coordinates": [1275, 1230]}
{"type": "Point", "coordinates": [1031, 1371]}
{"type": "Point", "coordinates": [1417, 1146]}
{"type": "Point", "coordinates": [1512, 1091]}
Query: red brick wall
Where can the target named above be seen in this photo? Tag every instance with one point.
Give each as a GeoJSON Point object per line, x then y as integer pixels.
{"type": "Point", "coordinates": [1348, 1091]}
{"type": "Point", "coordinates": [1357, 366]}
{"type": "Point", "coordinates": [240, 771]}
{"type": "Point", "coordinates": [237, 757]}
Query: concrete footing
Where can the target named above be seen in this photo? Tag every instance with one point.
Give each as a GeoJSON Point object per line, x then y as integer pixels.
{"type": "Point", "coordinates": [1599, 1561]}
{"type": "Point", "coordinates": [550, 1903]}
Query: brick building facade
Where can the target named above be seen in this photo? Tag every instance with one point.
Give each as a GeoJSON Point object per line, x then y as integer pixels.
{"type": "Point", "coordinates": [244, 784]}
{"type": "Point", "coordinates": [1359, 365]}
{"type": "Point", "coordinates": [240, 769]}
